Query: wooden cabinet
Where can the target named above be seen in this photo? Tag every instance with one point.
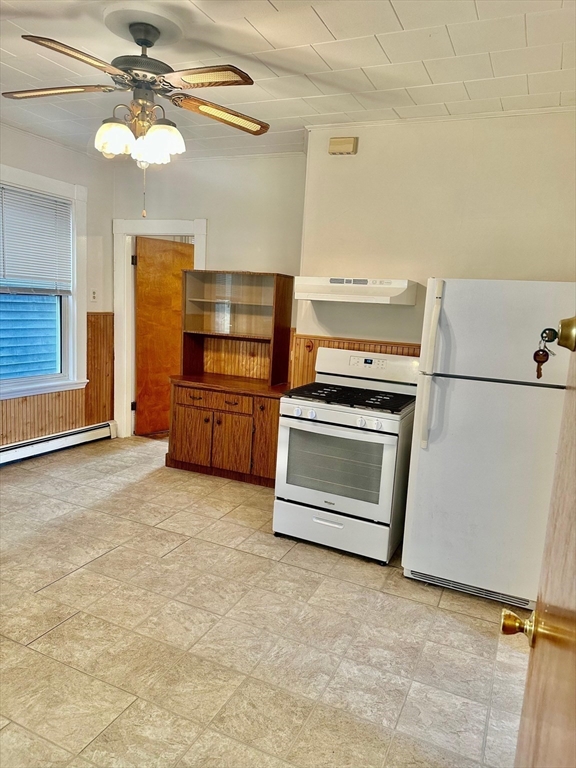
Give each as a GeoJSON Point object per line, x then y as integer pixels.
{"type": "Point", "coordinates": [232, 442]}
{"type": "Point", "coordinates": [191, 435]}
{"type": "Point", "coordinates": [264, 447]}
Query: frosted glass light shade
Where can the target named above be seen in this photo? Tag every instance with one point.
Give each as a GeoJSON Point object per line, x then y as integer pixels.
{"type": "Point", "coordinates": [114, 138]}
{"type": "Point", "coordinates": [164, 134]}
{"type": "Point", "coordinates": [146, 152]}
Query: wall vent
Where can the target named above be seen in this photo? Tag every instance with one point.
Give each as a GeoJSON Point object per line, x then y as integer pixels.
{"type": "Point", "coordinates": [500, 596]}
{"type": "Point", "coordinates": [343, 145]}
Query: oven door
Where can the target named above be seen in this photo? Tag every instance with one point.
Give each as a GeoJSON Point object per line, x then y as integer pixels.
{"type": "Point", "coordinates": [336, 468]}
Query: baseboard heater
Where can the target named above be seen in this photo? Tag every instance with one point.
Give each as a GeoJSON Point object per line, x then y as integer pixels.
{"type": "Point", "coordinates": [521, 602]}
{"type": "Point", "coordinates": [49, 443]}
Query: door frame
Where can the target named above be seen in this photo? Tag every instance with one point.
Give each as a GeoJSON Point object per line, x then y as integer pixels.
{"type": "Point", "coordinates": [124, 321]}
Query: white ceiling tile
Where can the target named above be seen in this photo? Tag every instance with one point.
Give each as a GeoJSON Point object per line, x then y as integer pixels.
{"type": "Point", "coordinates": [286, 137]}
{"type": "Point", "coordinates": [335, 117]}
{"type": "Point", "coordinates": [520, 61]}
{"type": "Point", "coordinates": [369, 115]}
{"type": "Point", "coordinates": [46, 70]}
{"type": "Point", "coordinates": [279, 108]}
{"type": "Point", "coordinates": [238, 93]}
{"type": "Point", "coordinates": [549, 82]}
{"type": "Point", "coordinates": [294, 61]}
{"type": "Point", "coordinates": [552, 27]}
{"type": "Point", "coordinates": [430, 43]}
{"type": "Point", "coordinates": [15, 80]}
{"type": "Point", "coordinates": [249, 64]}
{"type": "Point", "coordinates": [223, 10]}
{"type": "Point", "coordinates": [533, 101]}
{"type": "Point", "coordinates": [568, 98]}
{"type": "Point", "coordinates": [344, 102]}
{"type": "Point", "coordinates": [473, 107]}
{"type": "Point", "coordinates": [380, 99]}
{"type": "Point", "coordinates": [231, 37]}
{"type": "Point", "coordinates": [348, 54]}
{"type": "Point", "coordinates": [287, 5]}
{"type": "Point", "coordinates": [342, 81]}
{"type": "Point", "coordinates": [458, 68]}
{"type": "Point", "coordinates": [435, 94]}
{"type": "Point", "coordinates": [415, 14]}
{"type": "Point", "coordinates": [492, 9]}
{"type": "Point", "coordinates": [568, 59]}
{"type": "Point", "coordinates": [516, 85]}
{"type": "Point", "coordinates": [300, 26]}
{"type": "Point", "coordinates": [491, 35]}
{"type": "Point", "coordinates": [290, 87]}
{"type": "Point", "coordinates": [286, 124]}
{"type": "Point", "coordinates": [79, 107]}
{"type": "Point", "coordinates": [357, 18]}
{"type": "Point", "coordinates": [392, 76]}
{"type": "Point", "coordinates": [422, 110]}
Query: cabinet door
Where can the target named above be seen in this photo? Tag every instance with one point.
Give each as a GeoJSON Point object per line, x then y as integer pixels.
{"type": "Point", "coordinates": [232, 442]}
{"type": "Point", "coordinates": [191, 435]}
{"type": "Point", "coordinates": [265, 445]}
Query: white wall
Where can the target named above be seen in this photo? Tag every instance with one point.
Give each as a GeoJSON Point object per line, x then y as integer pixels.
{"type": "Point", "coordinates": [482, 198]}
{"type": "Point", "coordinates": [46, 158]}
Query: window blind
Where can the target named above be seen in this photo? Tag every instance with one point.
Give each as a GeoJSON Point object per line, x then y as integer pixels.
{"type": "Point", "coordinates": [35, 242]}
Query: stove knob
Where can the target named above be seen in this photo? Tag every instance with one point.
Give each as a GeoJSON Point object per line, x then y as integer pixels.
{"type": "Point", "coordinates": [312, 414]}
{"type": "Point", "coordinates": [377, 424]}
{"type": "Point", "coordinates": [297, 411]}
{"type": "Point", "coordinates": [361, 422]}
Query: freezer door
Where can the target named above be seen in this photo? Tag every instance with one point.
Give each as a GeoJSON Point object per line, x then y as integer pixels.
{"type": "Point", "coordinates": [478, 495]}
{"type": "Point", "coordinates": [490, 329]}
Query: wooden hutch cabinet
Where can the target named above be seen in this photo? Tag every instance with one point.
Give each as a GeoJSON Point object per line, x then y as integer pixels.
{"type": "Point", "coordinates": [235, 359]}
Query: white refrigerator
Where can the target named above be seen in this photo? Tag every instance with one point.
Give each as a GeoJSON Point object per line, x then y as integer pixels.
{"type": "Point", "coordinates": [485, 436]}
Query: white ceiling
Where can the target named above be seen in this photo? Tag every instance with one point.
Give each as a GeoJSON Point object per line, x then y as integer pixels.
{"type": "Point", "coordinates": [314, 62]}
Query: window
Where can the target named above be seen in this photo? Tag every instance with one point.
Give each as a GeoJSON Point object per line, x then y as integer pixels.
{"type": "Point", "coordinates": [38, 301]}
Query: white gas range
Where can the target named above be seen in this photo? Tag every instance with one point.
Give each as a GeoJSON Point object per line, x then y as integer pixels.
{"type": "Point", "coordinates": [343, 453]}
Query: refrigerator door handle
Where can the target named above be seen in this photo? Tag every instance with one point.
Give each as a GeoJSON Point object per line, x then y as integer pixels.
{"type": "Point", "coordinates": [433, 330]}
{"type": "Point", "coordinates": [426, 383]}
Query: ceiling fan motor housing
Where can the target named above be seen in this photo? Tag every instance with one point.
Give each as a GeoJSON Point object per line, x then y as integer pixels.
{"type": "Point", "coordinates": [145, 35]}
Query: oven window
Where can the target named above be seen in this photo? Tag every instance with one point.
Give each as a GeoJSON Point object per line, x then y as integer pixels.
{"type": "Point", "coordinates": [335, 465]}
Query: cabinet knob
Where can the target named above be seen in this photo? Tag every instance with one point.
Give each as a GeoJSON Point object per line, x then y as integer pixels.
{"type": "Point", "coordinates": [261, 407]}
{"type": "Point", "coordinates": [218, 421]}
{"type": "Point", "coordinates": [207, 420]}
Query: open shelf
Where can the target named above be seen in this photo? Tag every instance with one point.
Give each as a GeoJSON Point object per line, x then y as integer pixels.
{"type": "Point", "coordinates": [229, 301]}
{"type": "Point", "coordinates": [217, 334]}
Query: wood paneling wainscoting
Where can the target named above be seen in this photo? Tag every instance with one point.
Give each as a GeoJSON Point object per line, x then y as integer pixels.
{"type": "Point", "coordinates": [25, 418]}
{"type": "Point", "coordinates": [305, 349]}
{"type": "Point", "coordinates": [237, 358]}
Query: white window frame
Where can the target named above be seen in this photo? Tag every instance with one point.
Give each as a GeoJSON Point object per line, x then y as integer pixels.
{"type": "Point", "coordinates": [74, 307]}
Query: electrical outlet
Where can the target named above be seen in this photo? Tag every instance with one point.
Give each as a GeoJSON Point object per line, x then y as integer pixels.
{"type": "Point", "coordinates": [93, 296]}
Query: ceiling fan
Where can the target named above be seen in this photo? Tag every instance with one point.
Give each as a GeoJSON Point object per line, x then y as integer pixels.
{"type": "Point", "coordinates": [141, 133]}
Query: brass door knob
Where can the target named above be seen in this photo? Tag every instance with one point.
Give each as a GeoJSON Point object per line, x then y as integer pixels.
{"type": "Point", "coordinates": [567, 333]}
{"type": "Point", "coordinates": [559, 632]}
{"type": "Point", "coordinates": [511, 624]}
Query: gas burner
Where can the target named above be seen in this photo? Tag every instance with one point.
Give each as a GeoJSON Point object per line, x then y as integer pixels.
{"type": "Point", "coordinates": [352, 397]}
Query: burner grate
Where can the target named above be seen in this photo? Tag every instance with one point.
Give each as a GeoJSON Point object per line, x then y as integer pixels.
{"type": "Point", "coordinates": [352, 397]}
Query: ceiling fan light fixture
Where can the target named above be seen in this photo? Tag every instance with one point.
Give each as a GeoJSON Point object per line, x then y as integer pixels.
{"type": "Point", "coordinates": [165, 136]}
{"type": "Point", "coordinates": [114, 137]}
{"type": "Point", "coordinates": [149, 153]}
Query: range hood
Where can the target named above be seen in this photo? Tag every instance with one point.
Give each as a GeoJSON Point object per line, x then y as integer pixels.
{"type": "Point", "coordinates": [361, 290]}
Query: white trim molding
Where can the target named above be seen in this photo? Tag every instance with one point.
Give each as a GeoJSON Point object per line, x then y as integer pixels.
{"type": "Point", "coordinates": [124, 331]}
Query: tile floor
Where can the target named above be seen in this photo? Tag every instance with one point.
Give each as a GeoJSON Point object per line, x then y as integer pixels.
{"type": "Point", "coordinates": [150, 618]}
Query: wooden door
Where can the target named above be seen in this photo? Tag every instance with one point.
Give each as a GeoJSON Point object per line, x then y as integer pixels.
{"type": "Point", "coordinates": [159, 265]}
{"type": "Point", "coordinates": [191, 435]}
{"type": "Point", "coordinates": [265, 444]}
{"type": "Point", "coordinates": [232, 442]}
{"type": "Point", "coordinates": [547, 735]}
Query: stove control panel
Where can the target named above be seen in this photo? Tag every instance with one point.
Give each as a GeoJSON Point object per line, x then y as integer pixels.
{"type": "Point", "coordinates": [368, 363]}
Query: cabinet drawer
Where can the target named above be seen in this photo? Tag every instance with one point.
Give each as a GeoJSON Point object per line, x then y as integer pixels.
{"type": "Point", "coordinates": [224, 401]}
{"type": "Point", "coordinates": [187, 396]}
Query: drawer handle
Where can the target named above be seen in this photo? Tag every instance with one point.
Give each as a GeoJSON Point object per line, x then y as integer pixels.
{"type": "Point", "coordinates": [229, 402]}
{"type": "Point", "coordinates": [192, 397]}
{"type": "Point", "coordinates": [327, 522]}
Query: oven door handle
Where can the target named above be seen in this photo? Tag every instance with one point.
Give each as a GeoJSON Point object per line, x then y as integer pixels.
{"type": "Point", "coordinates": [347, 433]}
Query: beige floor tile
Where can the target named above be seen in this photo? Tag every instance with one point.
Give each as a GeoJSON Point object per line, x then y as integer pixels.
{"type": "Point", "coordinates": [266, 545]}
{"type": "Point", "coordinates": [235, 645]}
{"type": "Point", "coordinates": [32, 572]}
{"type": "Point", "coordinates": [50, 509]}
{"type": "Point", "coordinates": [288, 580]}
{"type": "Point", "coordinates": [266, 610]}
{"type": "Point", "coordinates": [224, 533]}
{"type": "Point", "coordinates": [236, 492]}
{"type": "Point", "coordinates": [144, 736]}
{"type": "Point", "coordinates": [121, 563]}
{"type": "Point", "coordinates": [407, 752]}
{"type": "Point", "coordinates": [79, 762]}
{"type": "Point", "coordinates": [322, 628]}
{"type": "Point", "coordinates": [124, 505]}
{"type": "Point", "coordinates": [489, 610]}
{"type": "Point", "coordinates": [466, 633]}
{"type": "Point", "coordinates": [395, 583]}
{"type": "Point", "coordinates": [204, 555]}
{"type": "Point", "coordinates": [177, 624]}
{"type": "Point", "coordinates": [157, 542]}
{"type": "Point", "coordinates": [213, 593]}
{"type": "Point", "coordinates": [3, 722]}
{"type": "Point", "coordinates": [501, 739]}
{"type": "Point", "coordinates": [90, 522]}
{"type": "Point", "coordinates": [243, 566]}
{"type": "Point", "coordinates": [448, 721]}
{"type": "Point", "coordinates": [15, 498]}
{"type": "Point", "coordinates": [390, 650]}
{"type": "Point", "coordinates": [297, 668]}
{"type": "Point", "coordinates": [166, 576]}
{"type": "Point", "coordinates": [25, 616]}
{"type": "Point", "coordinates": [127, 605]}
{"type": "Point", "coordinates": [363, 572]}
{"type": "Point", "coordinates": [367, 692]}
{"type": "Point", "coordinates": [180, 498]}
{"type": "Point", "coordinates": [79, 641]}
{"type": "Point", "coordinates": [186, 523]}
{"type": "Point", "coordinates": [249, 515]}
{"type": "Point", "coordinates": [335, 739]}
{"type": "Point", "coordinates": [57, 702]}
{"type": "Point", "coordinates": [210, 507]}
{"type": "Point", "coordinates": [80, 589]}
{"type": "Point", "coordinates": [195, 687]}
{"type": "Point", "coordinates": [401, 613]}
{"type": "Point", "coordinates": [509, 683]}
{"type": "Point", "coordinates": [455, 671]}
{"type": "Point", "coordinates": [263, 499]}
{"type": "Point", "coordinates": [76, 548]}
{"type": "Point", "coordinates": [347, 598]}
{"type": "Point", "coordinates": [22, 749]}
{"type": "Point", "coordinates": [267, 527]}
{"type": "Point", "coordinates": [312, 557]}
{"type": "Point", "coordinates": [509, 646]}
{"type": "Point", "coordinates": [214, 750]}
{"type": "Point", "coordinates": [263, 717]}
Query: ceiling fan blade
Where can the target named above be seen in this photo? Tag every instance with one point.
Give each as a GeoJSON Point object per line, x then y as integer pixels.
{"type": "Point", "coordinates": [58, 91]}
{"type": "Point", "coordinates": [75, 54]}
{"type": "Point", "coordinates": [206, 77]}
{"type": "Point", "coordinates": [222, 114]}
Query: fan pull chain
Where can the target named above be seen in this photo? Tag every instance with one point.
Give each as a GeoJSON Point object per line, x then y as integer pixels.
{"type": "Point", "coordinates": [144, 193]}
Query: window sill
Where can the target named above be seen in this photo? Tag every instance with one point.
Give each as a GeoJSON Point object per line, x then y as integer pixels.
{"type": "Point", "coordinates": [10, 391]}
